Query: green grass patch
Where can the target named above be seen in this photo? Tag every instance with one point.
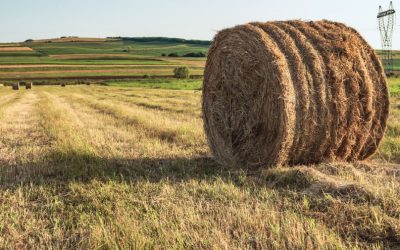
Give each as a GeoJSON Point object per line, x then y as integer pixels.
{"type": "Point", "coordinates": [176, 84]}
{"type": "Point", "coordinates": [394, 87]}
{"type": "Point", "coordinates": [20, 54]}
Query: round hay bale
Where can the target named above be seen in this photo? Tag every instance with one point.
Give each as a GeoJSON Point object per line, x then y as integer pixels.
{"type": "Point", "coordinates": [28, 85]}
{"type": "Point", "coordinates": [293, 92]}
{"type": "Point", "coordinates": [63, 84]}
{"type": "Point", "coordinates": [15, 86]}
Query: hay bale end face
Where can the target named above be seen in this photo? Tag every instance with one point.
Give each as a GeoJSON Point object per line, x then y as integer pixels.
{"type": "Point", "coordinates": [28, 85]}
{"type": "Point", "coordinates": [15, 86]}
{"type": "Point", "coordinates": [293, 92]}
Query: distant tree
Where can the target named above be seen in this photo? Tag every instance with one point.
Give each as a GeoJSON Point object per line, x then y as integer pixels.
{"type": "Point", "coordinates": [390, 74]}
{"type": "Point", "coordinates": [128, 49]}
{"type": "Point", "coordinates": [163, 54]}
{"type": "Point", "coordinates": [166, 40]}
{"type": "Point", "coordinates": [174, 54]}
{"type": "Point", "coordinates": [182, 72]}
{"type": "Point", "coordinates": [195, 54]}
{"type": "Point", "coordinates": [29, 40]}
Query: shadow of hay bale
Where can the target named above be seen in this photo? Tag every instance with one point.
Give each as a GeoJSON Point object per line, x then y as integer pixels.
{"type": "Point", "coordinates": [312, 182]}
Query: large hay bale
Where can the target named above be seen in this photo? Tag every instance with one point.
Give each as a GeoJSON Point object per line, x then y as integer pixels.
{"type": "Point", "coordinates": [15, 86]}
{"type": "Point", "coordinates": [293, 92]}
{"type": "Point", "coordinates": [28, 85]}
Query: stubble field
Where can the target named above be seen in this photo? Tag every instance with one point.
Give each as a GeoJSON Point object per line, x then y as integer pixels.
{"type": "Point", "coordinates": [127, 167]}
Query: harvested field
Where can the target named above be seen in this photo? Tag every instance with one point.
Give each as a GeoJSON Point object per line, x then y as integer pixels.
{"type": "Point", "coordinates": [14, 49]}
{"type": "Point", "coordinates": [66, 71]}
{"type": "Point", "coordinates": [191, 63]}
{"type": "Point", "coordinates": [90, 74]}
{"type": "Point", "coordinates": [30, 66]}
{"type": "Point", "coordinates": [87, 166]}
{"type": "Point", "coordinates": [293, 92]}
{"type": "Point", "coordinates": [88, 56]}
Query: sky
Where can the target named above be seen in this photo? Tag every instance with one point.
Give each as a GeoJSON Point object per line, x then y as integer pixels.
{"type": "Point", "coordinates": [190, 19]}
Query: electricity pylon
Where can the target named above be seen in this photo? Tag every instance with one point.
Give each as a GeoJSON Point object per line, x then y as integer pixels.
{"type": "Point", "coordinates": [386, 23]}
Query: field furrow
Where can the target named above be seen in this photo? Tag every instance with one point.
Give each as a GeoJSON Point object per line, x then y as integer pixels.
{"type": "Point", "coordinates": [22, 143]}
{"type": "Point", "coordinates": [154, 124]}
{"type": "Point", "coordinates": [112, 138]}
{"type": "Point", "coordinates": [181, 111]}
{"type": "Point", "coordinates": [7, 98]}
{"type": "Point", "coordinates": [176, 105]}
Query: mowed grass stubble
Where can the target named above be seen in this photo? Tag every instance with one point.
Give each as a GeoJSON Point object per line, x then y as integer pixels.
{"type": "Point", "coordinates": [109, 167]}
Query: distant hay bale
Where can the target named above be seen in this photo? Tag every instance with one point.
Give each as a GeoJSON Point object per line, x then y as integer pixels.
{"type": "Point", "coordinates": [15, 86]}
{"type": "Point", "coordinates": [293, 92]}
{"type": "Point", "coordinates": [28, 85]}
{"type": "Point", "coordinates": [63, 84]}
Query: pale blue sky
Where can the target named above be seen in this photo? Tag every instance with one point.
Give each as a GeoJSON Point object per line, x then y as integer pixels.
{"type": "Point", "coordinates": [23, 19]}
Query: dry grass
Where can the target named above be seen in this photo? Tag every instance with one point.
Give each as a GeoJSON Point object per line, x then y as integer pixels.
{"type": "Point", "coordinates": [185, 61]}
{"type": "Point", "coordinates": [101, 167]}
{"type": "Point", "coordinates": [13, 49]}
